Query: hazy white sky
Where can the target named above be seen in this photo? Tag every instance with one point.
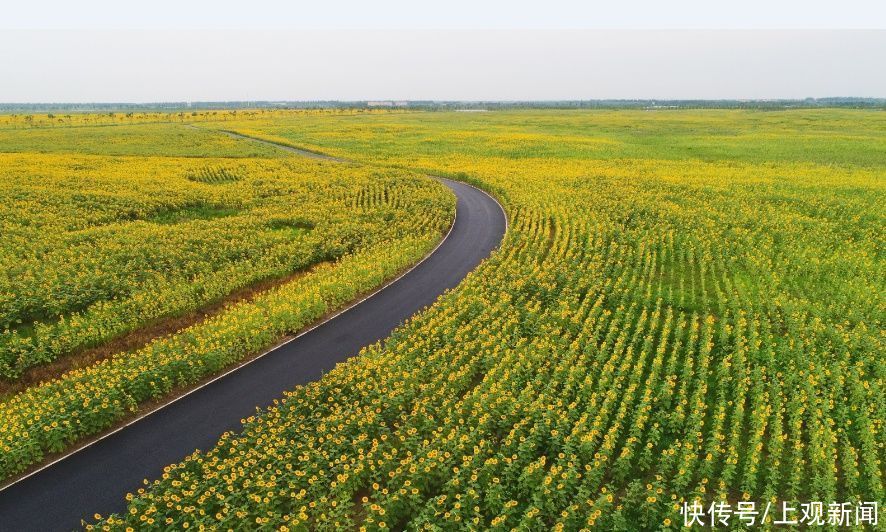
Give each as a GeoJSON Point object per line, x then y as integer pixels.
{"type": "Point", "coordinates": [98, 50]}
{"type": "Point", "coordinates": [452, 14]}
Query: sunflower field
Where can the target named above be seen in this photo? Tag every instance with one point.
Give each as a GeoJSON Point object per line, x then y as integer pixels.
{"type": "Point", "coordinates": [97, 245]}
{"type": "Point", "coordinates": [688, 306]}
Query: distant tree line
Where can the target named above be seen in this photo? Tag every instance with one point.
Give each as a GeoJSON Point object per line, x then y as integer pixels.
{"type": "Point", "coordinates": [845, 102]}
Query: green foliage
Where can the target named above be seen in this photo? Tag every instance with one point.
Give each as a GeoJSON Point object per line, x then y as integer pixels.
{"type": "Point", "coordinates": [97, 246]}
{"type": "Point", "coordinates": [688, 305]}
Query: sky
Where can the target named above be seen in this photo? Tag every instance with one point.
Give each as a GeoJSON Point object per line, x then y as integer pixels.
{"type": "Point", "coordinates": [102, 51]}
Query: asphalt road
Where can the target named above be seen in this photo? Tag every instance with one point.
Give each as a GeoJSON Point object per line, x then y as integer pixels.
{"type": "Point", "coordinates": [95, 479]}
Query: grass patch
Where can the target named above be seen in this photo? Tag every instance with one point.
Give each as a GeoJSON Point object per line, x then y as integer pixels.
{"type": "Point", "coordinates": [197, 212]}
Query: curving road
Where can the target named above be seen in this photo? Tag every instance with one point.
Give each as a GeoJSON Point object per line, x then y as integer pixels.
{"type": "Point", "coordinates": [95, 479]}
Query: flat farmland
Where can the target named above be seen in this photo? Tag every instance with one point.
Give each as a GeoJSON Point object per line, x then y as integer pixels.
{"type": "Point", "coordinates": [131, 270]}
{"type": "Point", "coordinates": [687, 308]}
